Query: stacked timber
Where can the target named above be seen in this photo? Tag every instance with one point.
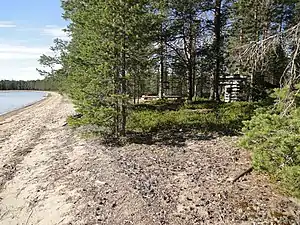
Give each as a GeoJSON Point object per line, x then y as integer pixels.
{"type": "Point", "coordinates": [234, 86]}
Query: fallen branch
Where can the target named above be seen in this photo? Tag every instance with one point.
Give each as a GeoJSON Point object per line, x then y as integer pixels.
{"type": "Point", "coordinates": [249, 170]}
{"type": "Point", "coordinates": [29, 217]}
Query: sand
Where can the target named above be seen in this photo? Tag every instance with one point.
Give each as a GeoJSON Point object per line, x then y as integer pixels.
{"type": "Point", "coordinates": [29, 140]}
{"type": "Point", "coordinates": [50, 175]}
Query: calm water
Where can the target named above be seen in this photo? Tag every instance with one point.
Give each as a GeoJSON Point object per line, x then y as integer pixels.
{"type": "Point", "coordinates": [12, 100]}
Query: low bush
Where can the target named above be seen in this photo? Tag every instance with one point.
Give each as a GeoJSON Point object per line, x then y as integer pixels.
{"type": "Point", "coordinates": [223, 118]}
{"type": "Point", "coordinates": [290, 180]}
{"type": "Point", "coordinates": [274, 139]}
{"type": "Point", "coordinates": [158, 105]}
{"type": "Point", "coordinates": [200, 105]}
{"type": "Point", "coordinates": [233, 114]}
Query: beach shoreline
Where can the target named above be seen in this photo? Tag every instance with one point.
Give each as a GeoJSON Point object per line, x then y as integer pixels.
{"type": "Point", "coordinates": [31, 139]}
{"type": "Point", "coordinates": [50, 175]}
{"type": "Point", "coordinates": [6, 115]}
{"type": "Point", "coordinates": [22, 91]}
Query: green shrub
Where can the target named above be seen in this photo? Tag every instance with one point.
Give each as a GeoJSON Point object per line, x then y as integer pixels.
{"type": "Point", "coordinates": [274, 140]}
{"type": "Point", "coordinates": [224, 118]}
{"type": "Point", "coordinates": [233, 114]}
{"type": "Point", "coordinates": [150, 121]}
{"type": "Point", "coordinates": [290, 179]}
{"type": "Point", "coordinates": [200, 105]}
{"type": "Point", "coordinates": [158, 105]}
{"type": "Point", "coordinates": [74, 122]}
{"type": "Point", "coordinates": [161, 101]}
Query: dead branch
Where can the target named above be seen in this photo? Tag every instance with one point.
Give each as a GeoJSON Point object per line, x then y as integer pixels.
{"type": "Point", "coordinates": [30, 214]}
{"type": "Point", "coordinates": [249, 170]}
{"type": "Point", "coordinates": [255, 53]}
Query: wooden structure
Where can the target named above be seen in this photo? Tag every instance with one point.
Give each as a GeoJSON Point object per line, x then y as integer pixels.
{"type": "Point", "coordinates": [155, 97]}
{"type": "Point", "coordinates": [235, 88]}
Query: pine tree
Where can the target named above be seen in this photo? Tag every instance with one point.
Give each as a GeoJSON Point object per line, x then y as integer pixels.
{"type": "Point", "coordinates": [109, 47]}
{"type": "Point", "coordinates": [183, 31]}
{"type": "Point", "coordinates": [53, 65]}
{"type": "Point", "coordinates": [254, 21]}
{"type": "Point", "coordinates": [214, 95]}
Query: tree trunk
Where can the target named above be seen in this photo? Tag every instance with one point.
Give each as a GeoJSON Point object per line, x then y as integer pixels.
{"type": "Point", "coordinates": [117, 105]}
{"type": "Point", "coordinates": [138, 89]}
{"type": "Point", "coordinates": [212, 87]}
{"type": "Point", "coordinates": [134, 89]}
{"type": "Point", "coordinates": [162, 65]}
{"type": "Point", "coordinates": [191, 83]}
{"type": "Point", "coordinates": [161, 77]}
{"type": "Point", "coordinates": [214, 95]}
{"type": "Point", "coordinates": [201, 84]}
{"type": "Point", "coordinates": [123, 88]}
{"type": "Point", "coordinates": [192, 59]}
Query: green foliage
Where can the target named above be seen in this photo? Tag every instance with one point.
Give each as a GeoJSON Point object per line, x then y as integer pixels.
{"type": "Point", "coordinates": [120, 50]}
{"type": "Point", "coordinates": [200, 105]}
{"type": "Point", "coordinates": [74, 122]}
{"type": "Point", "coordinates": [274, 139]}
{"type": "Point", "coordinates": [233, 114]}
{"type": "Point", "coordinates": [226, 118]}
{"type": "Point", "coordinates": [159, 105]}
{"type": "Point", "coordinates": [108, 53]}
{"type": "Point", "coordinates": [253, 21]}
{"type": "Point", "coordinates": [290, 179]}
{"type": "Point", "coordinates": [48, 84]}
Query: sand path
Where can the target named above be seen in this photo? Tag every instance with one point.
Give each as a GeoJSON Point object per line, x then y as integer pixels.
{"type": "Point", "coordinates": [48, 176]}
{"type": "Point", "coordinates": [29, 142]}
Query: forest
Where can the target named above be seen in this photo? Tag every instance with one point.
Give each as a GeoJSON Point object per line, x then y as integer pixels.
{"type": "Point", "coordinates": [136, 67]}
{"type": "Point", "coordinates": [38, 85]}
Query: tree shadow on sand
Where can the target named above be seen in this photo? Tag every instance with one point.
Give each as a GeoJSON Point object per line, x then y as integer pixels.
{"type": "Point", "coordinates": [176, 138]}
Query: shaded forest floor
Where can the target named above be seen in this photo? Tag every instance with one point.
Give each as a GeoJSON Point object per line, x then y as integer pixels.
{"type": "Point", "coordinates": [49, 175]}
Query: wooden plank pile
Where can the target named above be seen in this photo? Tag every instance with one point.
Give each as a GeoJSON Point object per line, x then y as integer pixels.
{"type": "Point", "coordinates": [234, 86]}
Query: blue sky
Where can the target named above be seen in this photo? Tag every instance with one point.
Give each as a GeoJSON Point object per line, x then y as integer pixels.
{"type": "Point", "coordinates": [27, 30]}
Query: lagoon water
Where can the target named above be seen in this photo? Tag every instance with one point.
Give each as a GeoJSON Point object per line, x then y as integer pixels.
{"type": "Point", "coordinates": [11, 100]}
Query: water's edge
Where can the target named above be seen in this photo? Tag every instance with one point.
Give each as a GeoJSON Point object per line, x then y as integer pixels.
{"type": "Point", "coordinates": [15, 110]}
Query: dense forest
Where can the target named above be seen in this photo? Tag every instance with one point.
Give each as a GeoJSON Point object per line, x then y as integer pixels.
{"type": "Point", "coordinates": [123, 52]}
{"type": "Point", "coordinates": [39, 85]}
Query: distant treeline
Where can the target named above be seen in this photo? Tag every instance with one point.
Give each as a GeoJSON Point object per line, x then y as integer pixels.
{"type": "Point", "coordinates": [40, 85]}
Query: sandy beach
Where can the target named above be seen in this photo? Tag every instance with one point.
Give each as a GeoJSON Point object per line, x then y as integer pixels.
{"type": "Point", "coordinates": [29, 138]}
{"type": "Point", "coordinates": [49, 175]}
